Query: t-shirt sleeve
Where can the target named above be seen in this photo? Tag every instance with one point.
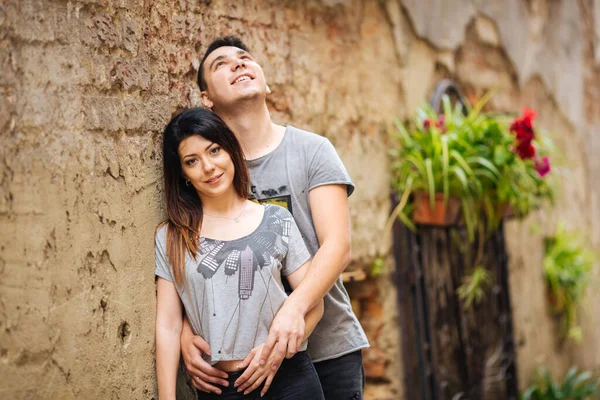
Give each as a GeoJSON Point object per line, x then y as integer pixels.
{"type": "Point", "coordinates": [162, 268]}
{"type": "Point", "coordinates": [297, 254]}
{"type": "Point", "coordinates": [326, 168]}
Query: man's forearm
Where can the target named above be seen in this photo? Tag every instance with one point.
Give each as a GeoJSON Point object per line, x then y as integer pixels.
{"type": "Point", "coordinates": [324, 270]}
{"type": "Point", "coordinates": [312, 318]}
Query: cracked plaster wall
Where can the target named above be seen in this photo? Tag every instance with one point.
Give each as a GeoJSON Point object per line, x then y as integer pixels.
{"type": "Point", "coordinates": [86, 87]}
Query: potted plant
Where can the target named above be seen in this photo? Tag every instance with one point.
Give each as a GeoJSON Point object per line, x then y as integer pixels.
{"type": "Point", "coordinates": [438, 161]}
{"type": "Point", "coordinates": [462, 163]}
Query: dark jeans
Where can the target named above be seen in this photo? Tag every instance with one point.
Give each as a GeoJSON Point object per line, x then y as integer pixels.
{"type": "Point", "coordinates": [342, 378]}
{"type": "Point", "coordinates": [295, 380]}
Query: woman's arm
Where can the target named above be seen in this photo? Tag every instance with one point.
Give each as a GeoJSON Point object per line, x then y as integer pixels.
{"type": "Point", "coordinates": [168, 330]}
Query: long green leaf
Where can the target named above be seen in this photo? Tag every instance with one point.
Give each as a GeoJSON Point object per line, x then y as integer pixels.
{"type": "Point", "coordinates": [486, 163]}
{"type": "Point", "coordinates": [445, 168]}
{"type": "Point", "coordinates": [459, 159]}
{"type": "Point", "coordinates": [430, 182]}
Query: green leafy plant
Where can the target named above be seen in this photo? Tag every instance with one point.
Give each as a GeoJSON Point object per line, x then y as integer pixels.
{"type": "Point", "coordinates": [567, 267]}
{"type": "Point", "coordinates": [487, 161]}
{"type": "Point", "coordinates": [576, 386]}
{"type": "Point", "coordinates": [472, 290]}
{"type": "Point", "coordinates": [438, 155]}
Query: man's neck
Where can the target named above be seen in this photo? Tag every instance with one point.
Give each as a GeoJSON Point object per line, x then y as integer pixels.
{"type": "Point", "coordinates": [254, 130]}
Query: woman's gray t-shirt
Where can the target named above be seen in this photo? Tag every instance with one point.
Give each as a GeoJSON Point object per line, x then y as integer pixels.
{"type": "Point", "coordinates": [234, 287]}
{"type": "Point", "coordinates": [285, 176]}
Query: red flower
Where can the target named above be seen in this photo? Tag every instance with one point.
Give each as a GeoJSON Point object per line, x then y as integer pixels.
{"type": "Point", "coordinates": [529, 115]}
{"type": "Point", "coordinates": [542, 166]}
{"type": "Point", "coordinates": [525, 150]}
{"type": "Point", "coordinates": [440, 124]}
{"type": "Point", "coordinates": [523, 129]}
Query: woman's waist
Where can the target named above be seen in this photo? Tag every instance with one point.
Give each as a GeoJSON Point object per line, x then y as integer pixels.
{"type": "Point", "coordinates": [300, 360]}
{"type": "Point", "coordinates": [229, 365]}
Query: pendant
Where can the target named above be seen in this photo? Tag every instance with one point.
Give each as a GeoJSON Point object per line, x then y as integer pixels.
{"type": "Point", "coordinates": [236, 219]}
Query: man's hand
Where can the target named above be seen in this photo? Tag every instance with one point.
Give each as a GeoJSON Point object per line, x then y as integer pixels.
{"type": "Point", "coordinates": [256, 373]}
{"type": "Point", "coordinates": [286, 333]}
{"type": "Point", "coordinates": [201, 372]}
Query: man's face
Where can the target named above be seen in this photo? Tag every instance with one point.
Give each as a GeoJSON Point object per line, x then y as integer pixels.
{"type": "Point", "coordinates": [231, 74]}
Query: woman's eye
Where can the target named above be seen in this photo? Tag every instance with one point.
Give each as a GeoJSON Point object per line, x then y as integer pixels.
{"type": "Point", "coordinates": [215, 150]}
{"type": "Point", "coordinates": [220, 63]}
{"type": "Point", "coordinates": [190, 161]}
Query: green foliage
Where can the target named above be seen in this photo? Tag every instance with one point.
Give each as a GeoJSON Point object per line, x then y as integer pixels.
{"type": "Point", "coordinates": [567, 267]}
{"type": "Point", "coordinates": [472, 290]}
{"type": "Point", "coordinates": [470, 157]}
{"type": "Point", "coordinates": [377, 266]}
{"type": "Point", "coordinates": [576, 386]}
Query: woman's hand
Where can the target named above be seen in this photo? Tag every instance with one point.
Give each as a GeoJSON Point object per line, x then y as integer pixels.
{"type": "Point", "coordinates": [256, 374]}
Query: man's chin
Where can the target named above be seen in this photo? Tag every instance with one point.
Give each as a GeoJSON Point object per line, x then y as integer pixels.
{"type": "Point", "coordinates": [250, 96]}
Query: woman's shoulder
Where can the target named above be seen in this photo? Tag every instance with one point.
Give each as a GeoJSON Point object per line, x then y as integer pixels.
{"type": "Point", "coordinates": [160, 233]}
{"type": "Point", "coordinates": [277, 211]}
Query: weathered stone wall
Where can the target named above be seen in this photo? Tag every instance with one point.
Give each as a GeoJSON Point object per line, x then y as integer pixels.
{"type": "Point", "coordinates": [86, 87]}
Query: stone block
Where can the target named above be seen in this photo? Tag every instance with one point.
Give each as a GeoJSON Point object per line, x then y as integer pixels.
{"type": "Point", "coordinates": [131, 74]}
{"type": "Point", "coordinates": [99, 30]}
{"type": "Point", "coordinates": [103, 112]}
{"type": "Point", "coordinates": [130, 34]}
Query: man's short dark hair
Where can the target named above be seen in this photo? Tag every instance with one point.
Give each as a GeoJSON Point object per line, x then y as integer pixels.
{"type": "Point", "coordinates": [222, 41]}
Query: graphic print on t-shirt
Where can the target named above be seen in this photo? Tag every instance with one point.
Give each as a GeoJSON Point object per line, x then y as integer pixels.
{"type": "Point", "coordinates": [272, 196]}
{"type": "Point", "coordinates": [247, 257]}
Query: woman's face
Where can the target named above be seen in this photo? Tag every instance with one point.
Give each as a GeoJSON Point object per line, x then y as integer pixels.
{"type": "Point", "coordinates": [207, 166]}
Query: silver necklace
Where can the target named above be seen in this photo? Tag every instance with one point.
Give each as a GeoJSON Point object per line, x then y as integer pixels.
{"type": "Point", "coordinates": [235, 219]}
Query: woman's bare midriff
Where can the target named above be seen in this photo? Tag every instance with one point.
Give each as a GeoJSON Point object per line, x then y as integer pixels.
{"type": "Point", "coordinates": [229, 366]}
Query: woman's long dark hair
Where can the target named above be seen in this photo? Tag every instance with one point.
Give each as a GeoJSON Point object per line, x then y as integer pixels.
{"type": "Point", "coordinates": [184, 208]}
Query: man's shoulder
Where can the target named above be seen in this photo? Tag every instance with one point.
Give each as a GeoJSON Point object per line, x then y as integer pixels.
{"type": "Point", "coordinates": [305, 138]}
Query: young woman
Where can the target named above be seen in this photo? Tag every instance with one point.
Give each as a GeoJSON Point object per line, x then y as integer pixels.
{"type": "Point", "coordinates": [222, 257]}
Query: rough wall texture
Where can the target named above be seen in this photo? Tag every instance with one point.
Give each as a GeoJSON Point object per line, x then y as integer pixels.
{"type": "Point", "coordinates": [86, 87]}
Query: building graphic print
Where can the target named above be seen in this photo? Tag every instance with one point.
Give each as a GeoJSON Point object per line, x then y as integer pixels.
{"type": "Point", "coordinates": [246, 273]}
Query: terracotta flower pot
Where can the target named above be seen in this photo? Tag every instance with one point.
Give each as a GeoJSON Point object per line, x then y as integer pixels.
{"type": "Point", "coordinates": [507, 211]}
{"type": "Point", "coordinates": [440, 215]}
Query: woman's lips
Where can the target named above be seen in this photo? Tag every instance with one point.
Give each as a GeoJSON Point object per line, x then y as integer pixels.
{"type": "Point", "coordinates": [214, 180]}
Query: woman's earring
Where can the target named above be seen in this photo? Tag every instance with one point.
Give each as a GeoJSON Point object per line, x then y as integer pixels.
{"type": "Point", "coordinates": [188, 183]}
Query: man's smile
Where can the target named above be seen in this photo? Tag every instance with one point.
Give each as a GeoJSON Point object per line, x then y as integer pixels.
{"type": "Point", "coordinates": [246, 76]}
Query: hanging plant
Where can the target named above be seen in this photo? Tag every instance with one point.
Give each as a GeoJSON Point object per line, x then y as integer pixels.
{"type": "Point", "coordinates": [567, 269]}
{"type": "Point", "coordinates": [457, 165]}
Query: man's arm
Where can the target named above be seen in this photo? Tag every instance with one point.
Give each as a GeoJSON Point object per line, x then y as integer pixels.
{"type": "Point", "coordinates": [331, 219]}
{"type": "Point", "coordinates": [203, 375]}
{"type": "Point", "coordinates": [168, 330]}
{"type": "Point", "coordinates": [245, 381]}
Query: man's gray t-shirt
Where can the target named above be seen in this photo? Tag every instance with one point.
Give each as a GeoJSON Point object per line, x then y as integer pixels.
{"type": "Point", "coordinates": [302, 162]}
{"type": "Point", "coordinates": [234, 287]}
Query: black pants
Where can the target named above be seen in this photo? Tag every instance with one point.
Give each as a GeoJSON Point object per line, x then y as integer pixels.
{"type": "Point", "coordinates": [295, 380]}
{"type": "Point", "coordinates": [342, 378]}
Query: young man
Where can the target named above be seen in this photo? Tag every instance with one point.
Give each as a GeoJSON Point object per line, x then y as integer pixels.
{"type": "Point", "coordinates": [302, 172]}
